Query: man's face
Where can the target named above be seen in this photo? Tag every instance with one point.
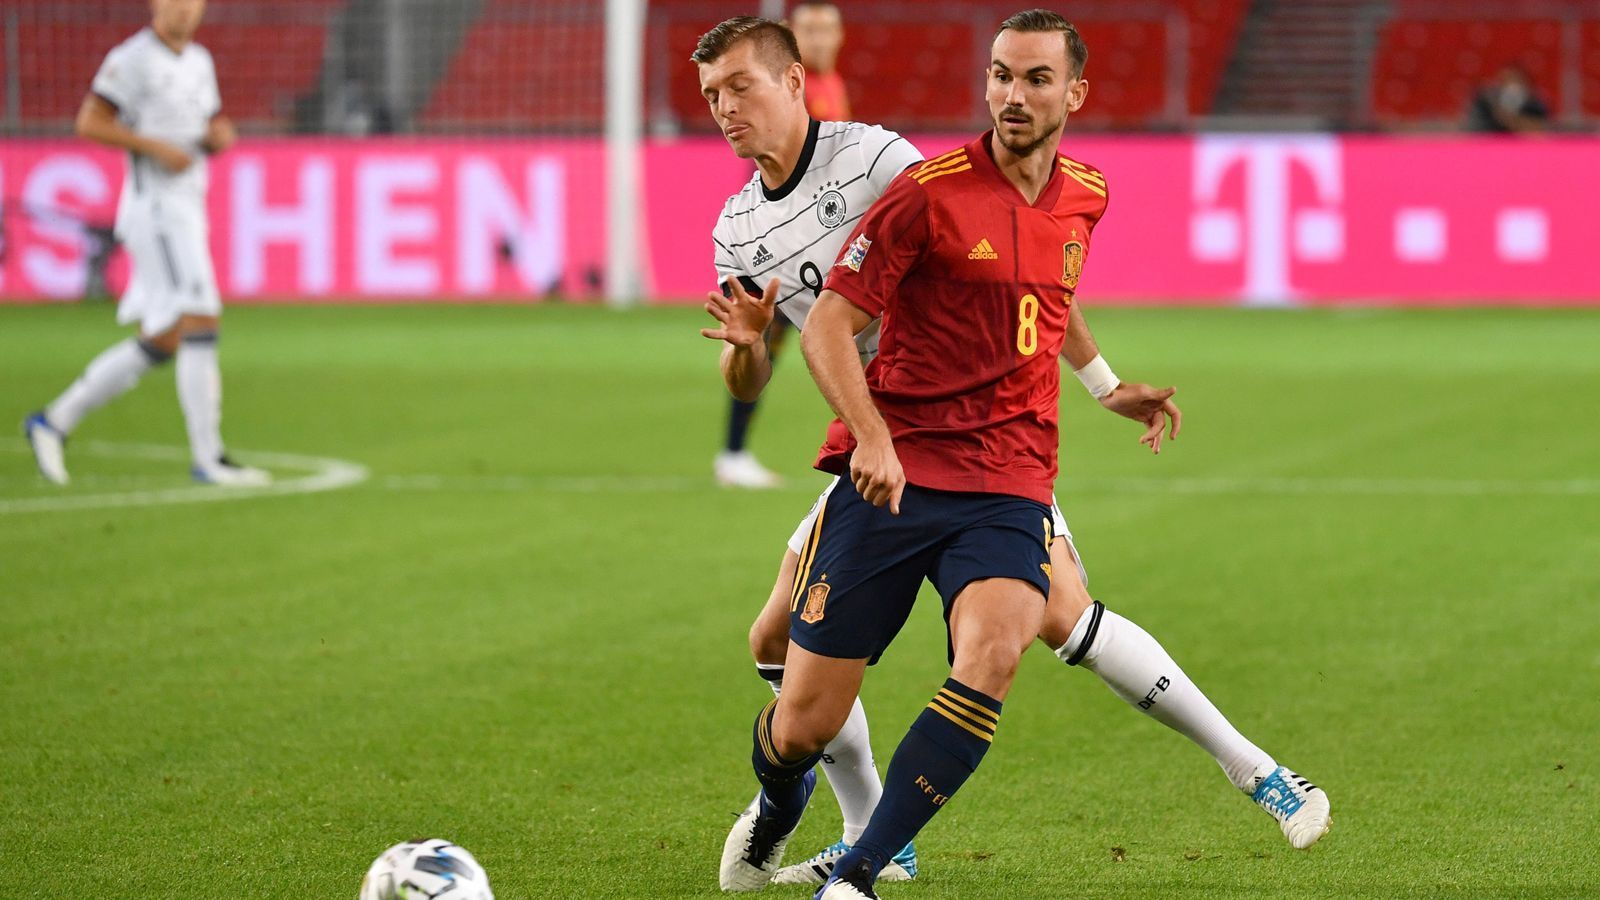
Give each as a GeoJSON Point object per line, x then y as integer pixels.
{"type": "Point", "coordinates": [820, 33]}
{"type": "Point", "coordinates": [177, 18]}
{"type": "Point", "coordinates": [753, 108]}
{"type": "Point", "coordinates": [1031, 90]}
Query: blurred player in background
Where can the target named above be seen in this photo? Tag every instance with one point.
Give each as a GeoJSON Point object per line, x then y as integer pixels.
{"type": "Point", "coordinates": [156, 97]}
{"type": "Point", "coordinates": [819, 33]}
{"type": "Point", "coordinates": [762, 119]}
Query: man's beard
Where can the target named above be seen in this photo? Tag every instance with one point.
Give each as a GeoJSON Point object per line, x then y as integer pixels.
{"type": "Point", "coordinates": [1023, 149]}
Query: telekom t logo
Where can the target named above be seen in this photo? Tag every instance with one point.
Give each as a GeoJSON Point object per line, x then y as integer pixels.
{"type": "Point", "coordinates": [1269, 231]}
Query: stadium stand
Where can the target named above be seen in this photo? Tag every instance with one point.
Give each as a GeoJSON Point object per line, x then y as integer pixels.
{"type": "Point", "coordinates": [273, 51]}
{"type": "Point", "coordinates": [1431, 57]}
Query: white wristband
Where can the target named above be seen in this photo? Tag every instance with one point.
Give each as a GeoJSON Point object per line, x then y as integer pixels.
{"type": "Point", "coordinates": [1097, 377]}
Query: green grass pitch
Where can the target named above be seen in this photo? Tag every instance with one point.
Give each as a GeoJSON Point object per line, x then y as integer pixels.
{"type": "Point", "coordinates": [1376, 545]}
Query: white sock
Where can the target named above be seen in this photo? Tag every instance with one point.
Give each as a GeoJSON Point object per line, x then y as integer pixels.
{"type": "Point", "coordinates": [847, 762]}
{"type": "Point", "coordinates": [1136, 668]}
{"type": "Point", "coordinates": [108, 376]}
{"type": "Point", "coordinates": [200, 395]}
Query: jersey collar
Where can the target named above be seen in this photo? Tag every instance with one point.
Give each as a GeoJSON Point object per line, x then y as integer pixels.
{"type": "Point", "coordinates": [800, 167]}
{"type": "Point", "coordinates": [984, 165]}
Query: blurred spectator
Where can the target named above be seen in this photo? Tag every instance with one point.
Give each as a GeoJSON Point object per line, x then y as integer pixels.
{"type": "Point", "coordinates": [1508, 105]}
{"type": "Point", "coordinates": [819, 30]}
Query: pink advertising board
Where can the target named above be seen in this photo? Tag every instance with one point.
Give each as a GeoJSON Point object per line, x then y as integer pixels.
{"type": "Point", "coordinates": [1211, 219]}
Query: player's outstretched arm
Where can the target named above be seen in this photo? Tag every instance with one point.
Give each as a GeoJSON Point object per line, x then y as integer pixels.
{"type": "Point", "coordinates": [97, 121]}
{"type": "Point", "coordinates": [743, 323]}
{"type": "Point", "coordinates": [1149, 406]}
{"type": "Point", "coordinates": [829, 345]}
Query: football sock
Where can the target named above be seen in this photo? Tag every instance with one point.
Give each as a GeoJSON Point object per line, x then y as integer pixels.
{"type": "Point", "coordinates": [739, 416]}
{"type": "Point", "coordinates": [108, 376]}
{"type": "Point", "coordinates": [846, 761]}
{"type": "Point", "coordinates": [1136, 668]}
{"type": "Point", "coordinates": [200, 395]}
{"type": "Point", "coordinates": [943, 747]}
{"type": "Point", "coordinates": [783, 790]}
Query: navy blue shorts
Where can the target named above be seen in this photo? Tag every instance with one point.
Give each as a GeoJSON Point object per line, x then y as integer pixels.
{"type": "Point", "coordinates": [862, 566]}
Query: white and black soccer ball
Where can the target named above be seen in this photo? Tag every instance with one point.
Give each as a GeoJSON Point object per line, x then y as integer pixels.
{"type": "Point", "coordinates": [430, 869]}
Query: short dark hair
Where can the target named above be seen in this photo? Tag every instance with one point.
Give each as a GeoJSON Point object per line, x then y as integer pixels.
{"type": "Point", "coordinates": [1044, 20]}
{"type": "Point", "coordinates": [774, 41]}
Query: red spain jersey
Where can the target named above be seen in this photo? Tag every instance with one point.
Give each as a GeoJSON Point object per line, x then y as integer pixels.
{"type": "Point", "coordinates": [973, 284]}
{"type": "Point", "coordinates": [826, 97]}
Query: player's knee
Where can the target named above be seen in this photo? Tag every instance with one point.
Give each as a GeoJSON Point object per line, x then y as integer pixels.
{"type": "Point", "coordinates": [769, 643]}
{"type": "Point", "coordinates": [988, 662]}
{"type": "Point", "coordinates": [1061, 614]}
{"type": "Point", "coordinates": [799, 736]}
{"type": "Point", "coordinates": [161, 345]}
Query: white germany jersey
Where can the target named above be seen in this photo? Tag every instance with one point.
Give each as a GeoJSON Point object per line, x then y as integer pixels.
{"type": "Point", "coordinates": [165, 95]}
{"type": "Point", "coordinates": [794, 233]}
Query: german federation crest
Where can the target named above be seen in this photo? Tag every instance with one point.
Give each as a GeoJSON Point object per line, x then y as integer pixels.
{"type": "Point", "coordinates": [1072, 264]}
{"type": "Point", "coordinates": [830, 209]}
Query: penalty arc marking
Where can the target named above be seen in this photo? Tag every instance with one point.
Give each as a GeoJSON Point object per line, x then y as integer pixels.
{"type": "Point", "coordinates": [320, 474]}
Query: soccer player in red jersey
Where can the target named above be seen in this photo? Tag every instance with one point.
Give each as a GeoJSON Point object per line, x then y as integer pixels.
{"type": "Point", "coordinates": [819, 30]}
{"type": "Point", "coordinates": [972, 261]}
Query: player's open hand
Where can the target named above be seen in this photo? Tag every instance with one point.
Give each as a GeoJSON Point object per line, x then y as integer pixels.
{"type": "Point", "coordinates": [171, 158]}
{"type": "Point", "coordinates": [1149, 406]}
{"type": "Point", "coordinates": [875, 471]}
{"type": "Point", "coordinates": [742, 319]}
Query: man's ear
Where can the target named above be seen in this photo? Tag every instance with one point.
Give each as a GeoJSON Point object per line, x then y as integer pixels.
{"type": "Point", "coordinates": [1077, 94]}
{"type": "Point", "coordinates": [797, 78]}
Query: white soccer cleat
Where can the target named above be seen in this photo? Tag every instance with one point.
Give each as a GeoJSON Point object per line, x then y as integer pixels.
{"type": "Point", "coordinates": [1300, 807]}
{"type": "Point", "coordinates": [817, 869]}
{"type": "Point", "coordinates": [856, 885]}
{"type": "Point", "coordinates": [754, 848]}
{"type": "Point", "coordinates": [227, 473]}
{"type": "Point", "coordinates": [49, 448]}
{"type": "Point", "coordinates": [743, 470]}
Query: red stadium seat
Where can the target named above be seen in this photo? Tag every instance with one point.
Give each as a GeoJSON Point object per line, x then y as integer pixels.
{"type": "Point", "coordinates": [265, 54]}
{"type": "Point", "coordinates": [1429, 69]}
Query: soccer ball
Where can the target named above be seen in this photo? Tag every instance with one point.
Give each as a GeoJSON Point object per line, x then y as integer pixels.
{"type": "Point", "coordinates": [425, 870]}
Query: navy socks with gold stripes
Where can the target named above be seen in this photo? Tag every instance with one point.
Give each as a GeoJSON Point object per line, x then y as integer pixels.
{"type": "Point", "coordinates": [943, 747]}
{"type": "Point", "coordinates": [785, 789]}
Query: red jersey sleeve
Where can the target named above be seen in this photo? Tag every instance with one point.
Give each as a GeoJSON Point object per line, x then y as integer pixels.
{"type": "Point", "coordinates": [885, 245]}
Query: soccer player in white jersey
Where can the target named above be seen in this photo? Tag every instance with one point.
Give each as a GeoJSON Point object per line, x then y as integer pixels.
{"type": "Point", "coordinates": [156, 97]}
{"type": "Point", "coordinates": [772, 242]}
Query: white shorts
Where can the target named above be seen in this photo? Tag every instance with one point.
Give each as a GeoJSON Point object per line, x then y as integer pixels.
{"type": "Point", "coordinates": [797, 541]}
{"type": "Point", "coordinates": [172, 274]}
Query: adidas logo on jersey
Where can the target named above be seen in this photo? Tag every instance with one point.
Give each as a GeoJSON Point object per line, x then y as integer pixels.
{"type": "Point", "coordinates": [983, 251]}
{"type": "Point", "coordinates": [762, 257]}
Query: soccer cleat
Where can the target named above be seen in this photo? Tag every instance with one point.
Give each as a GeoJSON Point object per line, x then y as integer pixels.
{"type": "Point", "coordinates": [227, 473]}
{"type": "Point", "coordinates": [817, 869]}
{"type": "Point", "coordinates": [1301, 808]}
{"type": "Point", "coordinates": [853, 885]}
{"type": "Point", "coordinates": [49, 448]}
{"type": "Point", "coordinates": [754, 848]}
{"type": "Point", "coordinates": [742, 470]}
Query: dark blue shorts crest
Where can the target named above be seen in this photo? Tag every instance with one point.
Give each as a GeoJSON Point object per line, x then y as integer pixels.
{"type": "Point", "coordinates": [862, 566]}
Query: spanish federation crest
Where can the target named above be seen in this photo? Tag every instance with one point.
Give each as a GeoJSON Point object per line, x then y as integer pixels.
{"type": "Point", "coordinates": [816, 603]}
{"type": "Point", "coordinates": [855, 254]}
{"type": "Point", "coordinates": [831, 209]}
{"type": "Point", "coordinates": [1072, 264]}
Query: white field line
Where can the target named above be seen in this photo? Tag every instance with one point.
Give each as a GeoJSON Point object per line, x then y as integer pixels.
{"type": "Point", "coordinates": [321, 474]}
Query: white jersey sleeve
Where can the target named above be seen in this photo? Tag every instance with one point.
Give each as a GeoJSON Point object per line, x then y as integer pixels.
{"type": "Point", "coordinates": [884, 155]}
{"type": "Point", "coordinates": [210, 93]}
{"type": "Point", "coordinates": [120, 80]}
{"type": "Point", "coordinates": [721, 256]}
